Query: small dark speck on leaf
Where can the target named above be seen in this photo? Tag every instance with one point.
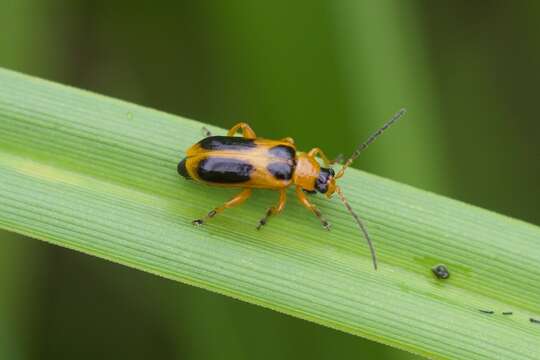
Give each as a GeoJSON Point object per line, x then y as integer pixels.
{"type": "Point", "coordinates": [486, 311]}
{"type": "Point", "coordinates": [534, 321]}
{"type": "Point", "coordinates": [441, 271]}
{"type": "Point", "coordinates": [507, 313]}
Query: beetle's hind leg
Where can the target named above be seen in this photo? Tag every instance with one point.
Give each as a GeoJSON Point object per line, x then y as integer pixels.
{"type": "Point", "coordinates": [274, 210]}
{"type": "Point", "coordinates": [304, 201]}
{"type": "Point", "coordinates": [247, 131]}
{"type": "Point", "coordinates": [206, 132]}
{"type": "Point", "coordinates": [235, 201]}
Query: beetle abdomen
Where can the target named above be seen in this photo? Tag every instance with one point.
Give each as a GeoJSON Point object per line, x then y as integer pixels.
{"type": "Point", "coordinates": [224, 170]}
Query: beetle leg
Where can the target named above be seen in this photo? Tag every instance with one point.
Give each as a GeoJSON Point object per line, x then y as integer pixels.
{"type": "Point", "coordinates": [304, 201]}
{"type": "Point", "coordinates": [290, 140]}
{"type": "Point", "coordinates": [235, 201]}
{"type": "Point", "coordinates": [247, 131]}
{"type": "Point", "coordinates": [206, 132]}
{"type": "Point", "coordinates": [316, 151]}
{"type": "Point", "coordinates": [274, 210]}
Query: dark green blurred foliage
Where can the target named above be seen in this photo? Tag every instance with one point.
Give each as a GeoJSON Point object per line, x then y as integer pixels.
{"type": "Point", "coordinates": [326, 73]}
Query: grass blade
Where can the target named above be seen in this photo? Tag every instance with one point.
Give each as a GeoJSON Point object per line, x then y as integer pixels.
{"type": "Point", "coordinates": [98, 175]}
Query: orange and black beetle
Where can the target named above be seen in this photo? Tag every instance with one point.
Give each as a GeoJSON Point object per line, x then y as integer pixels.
{"type": "Point", "coordinates": [249, 162]}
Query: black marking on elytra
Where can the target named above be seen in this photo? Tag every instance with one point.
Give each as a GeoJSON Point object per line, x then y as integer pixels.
{"type": "Point", "coordinates": [487, 311]}
{"type": "Point", "coordinates": [321, 185]}
{"type": "Point", "coordinates": [182, 170]}
{"type": "Point", "coordinates": [227, 143]}
{"type": "Point", "coordinates": [280, 170]}
{"type": "Point", "coordinates": [224, 170]}
{"type": "Point", "coordinates": [283, 152]}
{"type": "Point", "coordinates": [441, 271]}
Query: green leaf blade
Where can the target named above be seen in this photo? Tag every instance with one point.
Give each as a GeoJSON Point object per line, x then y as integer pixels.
{"type": "Point", "coordinates": [99, 175]}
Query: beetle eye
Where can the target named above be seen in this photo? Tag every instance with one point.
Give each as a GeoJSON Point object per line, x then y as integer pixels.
{"type": "Point", "coordinates": [322, 181]}
{"type": "Point", "coordinates": [321, 187]}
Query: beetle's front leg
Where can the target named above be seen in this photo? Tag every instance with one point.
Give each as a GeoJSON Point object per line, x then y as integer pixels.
{"type": "Point", "coordinates": [317, 151]}
{"type": "Point", "coordinates": [304, 201]}
{"type": "Point", "coordinates": [235, 201]}
{"type": "Point", "coordinates": [274, 210]}
{"type": "Point", "coordinates": [327, 162]}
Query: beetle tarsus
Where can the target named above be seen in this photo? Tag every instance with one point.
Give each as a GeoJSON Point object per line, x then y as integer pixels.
{"type": "Point", "coordinates": [210, 215]}
{"type": "Point", "coordinates": [264, 220]}
{"type": "Point", "coordinates": [326, 225]}
{"type": "Point", "coordinates": [206, 132]}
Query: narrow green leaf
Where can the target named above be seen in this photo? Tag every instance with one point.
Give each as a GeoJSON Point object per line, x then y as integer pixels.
{"type": "Point", "coordinates": [98, 175]}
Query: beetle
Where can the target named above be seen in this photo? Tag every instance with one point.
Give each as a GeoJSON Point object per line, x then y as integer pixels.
{"type": "Point", "coordinates": [249, 162]}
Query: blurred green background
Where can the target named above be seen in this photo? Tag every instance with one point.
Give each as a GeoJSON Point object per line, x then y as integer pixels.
{"type": "Point", "coordinates": [324, 72]}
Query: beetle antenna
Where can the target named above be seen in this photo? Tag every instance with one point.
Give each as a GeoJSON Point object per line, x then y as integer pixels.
{"type": "Point", "coordinates": [371, 139]}
{"type": "Point", "coordinates": [360, 224]}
